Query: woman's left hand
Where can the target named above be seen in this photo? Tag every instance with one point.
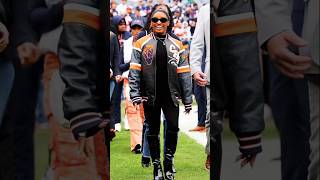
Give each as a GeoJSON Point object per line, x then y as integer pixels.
{"type": "Point", "coordinates": [251, 159]}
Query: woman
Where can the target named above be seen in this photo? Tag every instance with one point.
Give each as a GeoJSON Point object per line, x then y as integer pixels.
{"type": "Point", "coordinates": [145, 160]}
{"type": "Point", "coordinates": [159, 76]}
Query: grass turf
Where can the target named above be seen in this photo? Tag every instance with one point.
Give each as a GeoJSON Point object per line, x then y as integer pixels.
{"type": "Point", "coordinates": [189, 160]}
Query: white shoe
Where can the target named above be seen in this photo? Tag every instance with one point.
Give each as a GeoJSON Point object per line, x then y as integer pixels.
{"type": "Point", "coordinates": [117, 127]}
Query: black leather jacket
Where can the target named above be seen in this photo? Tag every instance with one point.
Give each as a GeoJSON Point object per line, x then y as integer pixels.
{"type": "Point", "coordinates": [80, 51]}
{"type": "Point", "coordinates": [142, 74]}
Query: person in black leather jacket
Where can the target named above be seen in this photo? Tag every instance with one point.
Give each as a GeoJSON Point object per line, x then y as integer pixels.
{"type": "Point", "coordinates": [159, 76]}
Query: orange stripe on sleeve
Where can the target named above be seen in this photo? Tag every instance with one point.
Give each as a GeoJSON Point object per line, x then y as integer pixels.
{"type": "Point", "coordinates": [183, 69]}
{"type": "Point", "coordinates": [235, 27]}
{"type": "Point", "coordinates": [135, 67]}
{"type": "Point", "coordinates": [78, 16]}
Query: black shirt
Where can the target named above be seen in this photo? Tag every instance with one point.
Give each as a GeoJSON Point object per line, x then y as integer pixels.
{"type": "Point", "coordinates": [162, 87]}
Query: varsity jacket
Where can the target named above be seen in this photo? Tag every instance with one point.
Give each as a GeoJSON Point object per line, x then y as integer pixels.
{"type": "Point", "coordinates": [80, 50]}
{"type": "Point", "coordinates": [142, 75]}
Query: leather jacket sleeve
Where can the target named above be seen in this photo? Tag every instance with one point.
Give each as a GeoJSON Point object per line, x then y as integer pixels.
{"type": "Point", "coordinates": [135, 72]}
{"type": "Point", "coordinates": [77, 52]}
{"type": "Point", "coordinates": [184, 76]}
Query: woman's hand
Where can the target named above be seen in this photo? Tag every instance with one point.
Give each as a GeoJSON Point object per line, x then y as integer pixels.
{"type": "Point", "coordinates": [251, 159]}
{"type": "Point", "coordinates": [4, 37]}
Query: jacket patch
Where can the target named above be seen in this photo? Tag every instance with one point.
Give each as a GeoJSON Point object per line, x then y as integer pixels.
{"type": "Point", "coordinates": [174, 51]}
{"type": "Point", "coordinates": [148, 54]}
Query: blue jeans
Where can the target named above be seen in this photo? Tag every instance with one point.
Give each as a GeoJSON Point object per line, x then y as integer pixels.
{"type": "Point", "coordinates": [6, 81]}
{"type": "Point", "coordinates": [116, 103]}
{"type": "Point", "coordinates": [200, 95]}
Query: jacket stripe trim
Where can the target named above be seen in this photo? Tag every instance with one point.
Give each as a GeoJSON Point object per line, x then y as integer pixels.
{"type": "Point", "coordinates": [135, 66]}
{"type": "Point", "coordinates": [236, 17]}
{"type": "Point", "coordinates": [85, 115]}
{"type": "Point", "coordinates": [235, 27]}
{"type": "Point", "coordinates": [183, 69]}
{"type": "Point", "coordinates": [172, 40]}
{"type": "Point", "coordinates": [79, 16]}
{"type": "Point", "coordinates": [250, 138]}
{"type": "Point", "coordinates": [145, 42]}
{"type": "Point", "coordinates": [97, 119]}
{"type": "Point", "coordinates": [138, 49]}
{"type": "Point", "coordinates": [80, 7]}
{"type": "Point", "coordinates": [250, 146]}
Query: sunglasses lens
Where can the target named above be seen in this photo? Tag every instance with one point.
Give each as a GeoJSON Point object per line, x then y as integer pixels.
{"type": "Point", "coordinates": [163, 20]}
{"type": "Point", "coordinates": [155, 20]}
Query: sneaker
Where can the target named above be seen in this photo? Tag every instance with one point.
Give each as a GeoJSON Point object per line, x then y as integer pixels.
{"type": "Point", "coordinates": [117, 127]}
{"type": "Point", "coordinates": [198, 128]}
{"type": "Point", "coordinates": [137, 149]}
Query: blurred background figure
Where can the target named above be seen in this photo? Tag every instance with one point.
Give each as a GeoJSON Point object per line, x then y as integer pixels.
{"type": "Point", "coordinates": [134, 116]}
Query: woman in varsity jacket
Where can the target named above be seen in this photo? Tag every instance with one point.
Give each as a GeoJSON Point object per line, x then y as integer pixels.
{"type": "Point", "coordinates": [159, 76]}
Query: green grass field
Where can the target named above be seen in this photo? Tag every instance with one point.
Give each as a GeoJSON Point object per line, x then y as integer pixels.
{"type": "Point", "coordinates": [41, 152]}
{"type": "Point", "coordinates": [125, 165]}
{"type": "Point", "coordinates": [189, 160]}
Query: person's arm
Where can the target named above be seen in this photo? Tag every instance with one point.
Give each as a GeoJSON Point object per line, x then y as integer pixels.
{"type": "Point", "coordinates": [273, 17]}
{"type": "Point", "coordinates": [116, 59]}
{"type": "Point", "coordinates": [135, 74]}
{"type": "Point", "coordinates": [45, 18]}
{"type": "Point", "coordinates": [185, 80]}
{"type": "Point", "coordinates": [275, 34]}
{"type": "Point", "coordinates": [123, 66]}
{"type": "Point", "coordinates": [77, 51]}
{"type": "Point", "coordinates": [197, 49]}
{"type": "Point", "coordinates": [22, 33]}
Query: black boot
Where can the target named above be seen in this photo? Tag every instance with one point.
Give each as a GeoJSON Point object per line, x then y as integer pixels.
{"type": "Point", "coordinates": [154, 145]}
{"type": "Point", "coordinates": [157, 170]}
{"type": "Point", "coordinates": [145, 162]}
{"type": "Point", "coordinates": [171, 144]}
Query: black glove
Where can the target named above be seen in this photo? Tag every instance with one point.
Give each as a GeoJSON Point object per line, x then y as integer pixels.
{"type": "Point", "coordinates": [187, 108]}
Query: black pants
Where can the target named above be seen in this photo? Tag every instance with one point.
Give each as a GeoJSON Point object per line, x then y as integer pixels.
{"type": "Point", "coordinates": [153, 114]}
{"type": "Point", "coordinates": [152, 118]}
{"type": "Point", "coordinates": [290, 108]}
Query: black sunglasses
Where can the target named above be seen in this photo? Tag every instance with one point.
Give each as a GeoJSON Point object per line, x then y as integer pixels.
{"type": "Point", "coordinates": [155, 20]}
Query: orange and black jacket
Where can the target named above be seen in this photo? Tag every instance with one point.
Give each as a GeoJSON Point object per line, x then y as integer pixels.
{"type": "Point", "coordinates": [142, 76]}
{"type": "Point", "coordinates": [80, 50]}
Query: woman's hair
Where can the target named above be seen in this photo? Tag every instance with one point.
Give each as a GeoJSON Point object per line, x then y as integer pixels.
{"type": "Point", "coordinates": [155, 7]}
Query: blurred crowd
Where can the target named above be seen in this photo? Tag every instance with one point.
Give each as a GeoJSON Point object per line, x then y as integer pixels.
{"type": "Point", "coordinates": [184, 14]}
